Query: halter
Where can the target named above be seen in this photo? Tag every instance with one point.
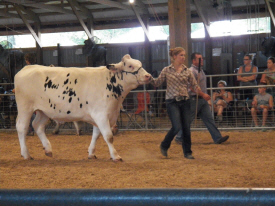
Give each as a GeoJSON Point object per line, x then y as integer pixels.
{"type": "Point", "coordinates": [133, 73]}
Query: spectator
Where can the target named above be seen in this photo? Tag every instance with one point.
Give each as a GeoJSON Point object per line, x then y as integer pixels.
{"type": "Point", "coordinates": [221, 99]}
{"type": "Point", "coordinates": [247, 79]}
{"type": "Point", "coordinates": [262, 103]}
{"type": "Point", "coordinates": [200, 103]}
{"type": "Point", "coordinates": [269, 78]}
{"type": "Point", "coordinates": [30, 58]}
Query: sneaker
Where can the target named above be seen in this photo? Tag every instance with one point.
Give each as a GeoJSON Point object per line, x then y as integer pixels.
{"type": "Point", "coordinates": [255, 128]}
{"type": "Point", "coordinates": [163, 151]}
{"type": "Point", "coordinates": [189, 156]}
{"type": "Point", "coordinates": [222, 139]}
{"type": "Point", "coordinates": [264, 129]}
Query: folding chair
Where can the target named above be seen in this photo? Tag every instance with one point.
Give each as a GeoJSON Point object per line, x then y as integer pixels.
{"type": "Point", "coordinates": [143, 110]}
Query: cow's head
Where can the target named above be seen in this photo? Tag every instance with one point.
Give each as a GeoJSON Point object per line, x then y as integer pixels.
{"type": "Point", "coordinates": [131, 69]}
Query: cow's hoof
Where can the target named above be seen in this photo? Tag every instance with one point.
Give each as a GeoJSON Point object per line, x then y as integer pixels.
{"type": "Point", "coordinates": [118, 160]}
{"type": "Point", "coordinates": [49, 154]}
{"type": "Point", "coordinates": [27, 158]}
{"type": "Point", "coordinates": [92, 157]}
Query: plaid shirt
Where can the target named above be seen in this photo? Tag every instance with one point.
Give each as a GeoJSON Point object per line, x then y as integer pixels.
{"type": "Point", "coordinates": [177, 83]}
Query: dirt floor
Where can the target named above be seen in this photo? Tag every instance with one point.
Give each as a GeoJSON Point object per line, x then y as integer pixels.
{"type": "Point", "coordinates": [246, 160]}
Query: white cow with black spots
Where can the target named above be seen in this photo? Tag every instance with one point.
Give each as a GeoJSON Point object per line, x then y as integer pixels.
{"type": "Point", "coordinates": [75, 94]}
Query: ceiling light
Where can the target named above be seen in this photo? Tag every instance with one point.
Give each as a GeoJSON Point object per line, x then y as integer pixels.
{"type": "Point", "coordinates": [131, 1]}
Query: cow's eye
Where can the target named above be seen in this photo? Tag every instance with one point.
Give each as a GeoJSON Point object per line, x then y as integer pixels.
{"type": "Point", "coordinates": [130, 67]}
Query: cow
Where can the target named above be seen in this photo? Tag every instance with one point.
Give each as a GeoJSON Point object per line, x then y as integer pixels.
{"type": "Point", "coordinates": [75, 94]}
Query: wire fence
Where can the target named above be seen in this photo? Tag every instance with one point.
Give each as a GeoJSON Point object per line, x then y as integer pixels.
{"type": "Point", "coordinates": [146, 110]}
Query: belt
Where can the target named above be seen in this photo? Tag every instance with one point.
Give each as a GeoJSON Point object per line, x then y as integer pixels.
{"type": "Point", "coordinates": [180, 98]}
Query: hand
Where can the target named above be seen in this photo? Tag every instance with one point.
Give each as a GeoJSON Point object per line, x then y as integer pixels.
{"type": "Point", "coordinates": [254, 104]}
{"type": "Point", "coordinates": [206, 97]}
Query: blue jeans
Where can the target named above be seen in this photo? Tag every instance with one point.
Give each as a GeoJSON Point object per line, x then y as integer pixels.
{"type": "Point", "coordinates": [205, 114]}
{"type": "Point", "coordinates": [179, 115]}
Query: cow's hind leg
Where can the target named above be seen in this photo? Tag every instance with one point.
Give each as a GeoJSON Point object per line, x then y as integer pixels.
{"type": "Point", "coordinates": [39, 125]}
{"type": "Point", "coordinates": [56, 129]}
{"type": "Point", "coordinates": [91, 149]}
{"type": "Point", "coordinates": [107, 134]}
{"type": "Point", "coordinates": [78, 131]}
{"type": "Point", "coordinates": [22, 126]}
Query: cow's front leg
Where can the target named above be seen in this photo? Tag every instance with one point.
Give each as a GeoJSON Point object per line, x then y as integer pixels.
{"type": "Point", "coordinates": [91, 149]}
{"type": "Point", "coordinates": [108, 137]}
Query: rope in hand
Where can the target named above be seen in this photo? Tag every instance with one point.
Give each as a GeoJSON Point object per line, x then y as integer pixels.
{"type": "Point", "coordinates": [197, 95]}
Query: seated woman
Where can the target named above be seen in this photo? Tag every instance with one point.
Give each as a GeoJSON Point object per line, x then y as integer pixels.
{"type": "Point", "coordinates": [269, 78]}
{"type": "Point", "coordinates": [221, 98]}
{"type": "Point", "coordinates": [262, 102]}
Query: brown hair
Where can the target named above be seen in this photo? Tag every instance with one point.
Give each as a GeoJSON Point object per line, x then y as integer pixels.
{"type": "Point", "coordinates": [272, 59]}
{"type": "Point", "coordinates": [30, 58]}
{"type": "Point", "coordinates": [249, 56]}
{"type": "Point", "coordinates": [175, 51]}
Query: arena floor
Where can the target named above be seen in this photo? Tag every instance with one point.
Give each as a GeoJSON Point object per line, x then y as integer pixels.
{"type": "Point", "coordinates": [246, 160]}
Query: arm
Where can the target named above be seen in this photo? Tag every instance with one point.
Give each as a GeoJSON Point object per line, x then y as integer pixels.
{"type": "Point", "coordinates": [254, 76]}
{"type": "Point", "coordinates": [254, 102]}
{"type": "Point", "coordinates": [263, 78]}
{"type": "Point", "coordinates": [158, 81]}
{"type": "Point", "coordinates": [240, 71]}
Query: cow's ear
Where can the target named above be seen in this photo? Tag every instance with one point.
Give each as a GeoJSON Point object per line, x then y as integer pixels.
{"type": "Point", "coordinates": [126, 56]}
{"type": "Point", "coordinates": [112, 67]}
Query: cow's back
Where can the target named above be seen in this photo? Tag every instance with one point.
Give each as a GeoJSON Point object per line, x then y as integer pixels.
{"type": "Point", "coordinates": [63, 93]}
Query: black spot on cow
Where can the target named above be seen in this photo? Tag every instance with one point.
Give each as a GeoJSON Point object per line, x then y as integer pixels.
{"type": "Point", "coordinates": [75, 81]}
{"type": "Point", "coordinates": [80, 105]}
{"type": "Point", "coordinates": [70, 82]}
{"type": "Point", "coordinates": [108, 96]}
{"type": "Point", "coordinates": [68, 112]}
{"type": "Point", "coordinates": [51, 105]}
{"type": "Point", "coordinates": [113, 80]}
{"type": "Point", "coordinates": [70, 100]}
{"type": "Point", "coordinates": [49, 100]}
{"type": "Point", "coordinates": [78, 98]}
{"type": "Point", "coordinates": [68, 74]}
{"type": "Point", "coordinates": [66, 81]}
{"type": "Point", "coordinates": [54, 106]}
{"type": "Point", "coordinates": [63, 98]}
{"type": "Point", "coordinates": [109, 86]}
{"type": "Point", "coordinates": [115, 89]}
{"type": "Point", "coordinates": [46, 79]}
{"type": "Point", "coordinates": [67, 88]}
{"type": "Point", "coordinates": [49, 84]}
{"type": "Point", "coordinates": [71, 92]}
{"type": "Point", "coordinates": [58, 96]}
{"type": "Point", "coordinates": [87, 102]}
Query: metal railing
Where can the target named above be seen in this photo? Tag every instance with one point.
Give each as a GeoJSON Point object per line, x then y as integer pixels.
{"type": "Point", "coordinates": [236, 117]}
